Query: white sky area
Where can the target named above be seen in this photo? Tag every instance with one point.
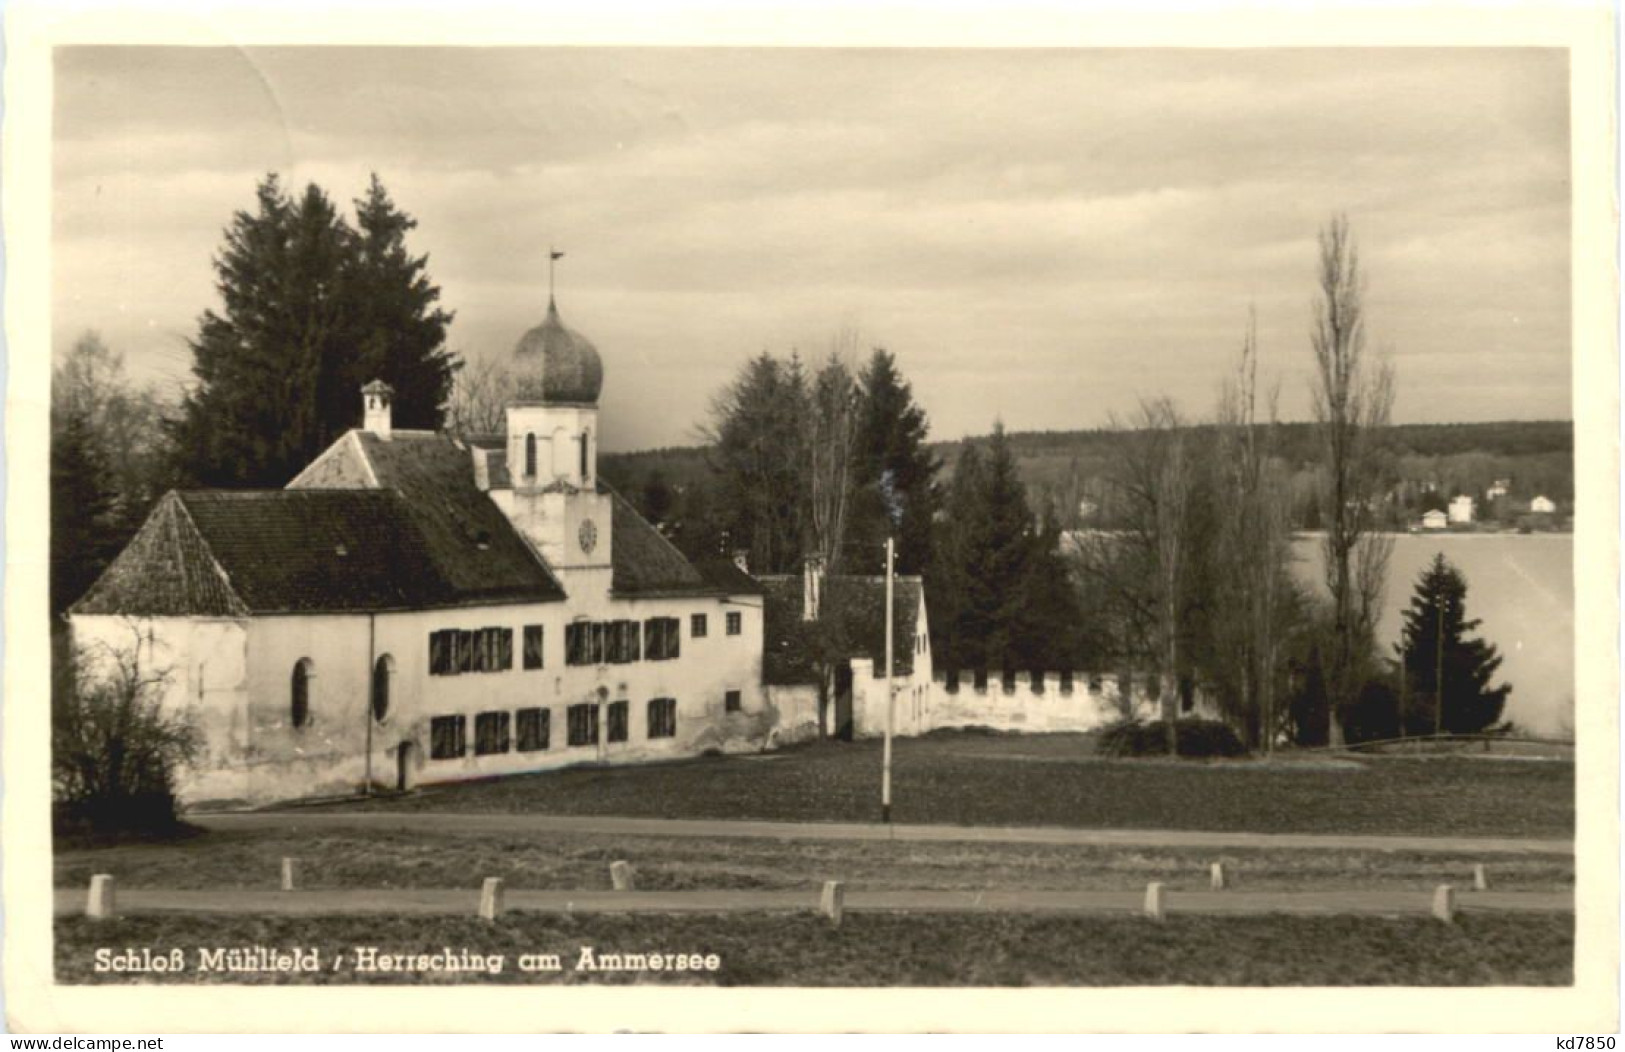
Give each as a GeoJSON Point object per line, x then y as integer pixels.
{"type": "Point", "coordinates": [1040, 236]}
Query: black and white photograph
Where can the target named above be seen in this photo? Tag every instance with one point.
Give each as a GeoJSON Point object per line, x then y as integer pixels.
{"type": "Point", "coordinates": [866, 517]}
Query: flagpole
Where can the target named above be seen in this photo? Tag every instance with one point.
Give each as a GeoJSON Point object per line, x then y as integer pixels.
{"type": "Point", "coordinates": [885, 775]}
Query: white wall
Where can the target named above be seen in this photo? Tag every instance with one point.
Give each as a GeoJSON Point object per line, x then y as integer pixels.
{"type": "Point", "coordinates": [205, 663]}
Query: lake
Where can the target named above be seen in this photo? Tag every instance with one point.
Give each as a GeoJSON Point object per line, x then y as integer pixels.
{"type": "Point", "coordinates": [1521, 587]}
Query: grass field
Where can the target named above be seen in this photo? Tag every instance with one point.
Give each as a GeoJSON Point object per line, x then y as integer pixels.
{"type": "Point", "coordinates": [1038, 780]}
{"type": "Point", "coordinates": [355, 858]}
{"type": "Point", "coordinates": [888, 949]}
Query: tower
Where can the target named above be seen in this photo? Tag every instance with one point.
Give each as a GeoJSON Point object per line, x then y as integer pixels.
{"type": "Point", "coordinates": [552, 454]}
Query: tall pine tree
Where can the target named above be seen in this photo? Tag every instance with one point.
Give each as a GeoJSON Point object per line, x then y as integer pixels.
{"type": "Point", "coordinates": [895, 478]}
{"type": "Point", "coordinates": [1434, 643]}
{"type": "Point", "coordinates": [311, 310]}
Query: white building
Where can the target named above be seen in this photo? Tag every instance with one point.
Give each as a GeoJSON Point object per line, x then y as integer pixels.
{"type": "Point", "coordinates": [1461, 509]}
{"type": "Point", "coordinates": [415, 609]}
{"type": "Point", "coordinates": [1542, 506]}
{"type": "Point", "coordinates": [1435, 520]}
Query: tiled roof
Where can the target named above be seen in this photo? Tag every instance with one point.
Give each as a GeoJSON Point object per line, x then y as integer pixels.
{"type": "Point", "coordinates": [853, 624]}
{"type": "Point", "coordinates": [477, 548]}
{"type": "Point", "coordinates": [647, 564]}
{"type": "Point", "coordinates": [229, 553]}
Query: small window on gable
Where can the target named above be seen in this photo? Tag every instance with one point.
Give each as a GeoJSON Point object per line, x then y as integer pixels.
{"type": "Point", "coordinates": [304, 670]}
{"type": "Point", "coordinates": [585, 438]}
{"type": "Point", "coordinates": [530, 456]}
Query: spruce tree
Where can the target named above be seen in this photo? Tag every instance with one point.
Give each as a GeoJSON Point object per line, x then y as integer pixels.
{"type": "Point", "coordinates": [82, 536]}
{"type": "Point", "coordinates": [311, 309]}
{"type": "Point", "coordinates": [1434, 642]}
{"type": "Point", "coordinates": [895, 477]}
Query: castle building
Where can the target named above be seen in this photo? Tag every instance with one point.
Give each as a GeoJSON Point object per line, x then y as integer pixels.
{"type": "Point", "coordinates": [415, 608]}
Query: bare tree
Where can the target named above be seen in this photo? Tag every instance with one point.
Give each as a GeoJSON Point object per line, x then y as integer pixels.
{"type": "Point", "coordinates": [1253, 544]}
{"type": "Point", "coordinates": [1352, 400]}
{"type": "Point", "coordinates": [831, 444]}
{"type": "Point", "coordinates": [479, 398]}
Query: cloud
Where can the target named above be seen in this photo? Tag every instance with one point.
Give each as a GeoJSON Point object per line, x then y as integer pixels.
{"type": "Point", "coordinates": [1039, 234]}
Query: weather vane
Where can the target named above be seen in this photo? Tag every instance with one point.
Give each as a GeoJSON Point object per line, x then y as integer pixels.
{"type": "Point", "coordinates": [553, 256]}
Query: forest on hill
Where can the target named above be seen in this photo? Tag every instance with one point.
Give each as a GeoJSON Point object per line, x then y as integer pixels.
{"type": "Point", "coordinates": [1066, 470]}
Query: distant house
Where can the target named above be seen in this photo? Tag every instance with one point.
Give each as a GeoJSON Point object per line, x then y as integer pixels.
{"type": "Point", "coordinates": [1434, 520]}
{"type": "Point", "coordinates": [1542, 506]}
{"type": "Point", "coordinates": [1461, 509]}
{"type": "Point", "coordinates": [1498, 489]}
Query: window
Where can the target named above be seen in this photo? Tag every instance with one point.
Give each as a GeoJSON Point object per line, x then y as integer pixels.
{"type": "Point", "coordinates": [736, 623]}
{"type": "Point", "coordinates": [299, 692]}
{"type": "Point", "coordinates": [533, 646]}
{"type": "Point", "coordinates": [583, 720]}
{"type": "Point", "coordinates": [382, 672]}
{"type": "Point", "coordinates": [491, 733]}
{"type": "Point", "coordinates": [623, 641]}
{"type": "Point", "coordinates": [662, 641]}
{"type": "Point", "coordinates": [530, 456]}
{"type": "Point", "coordinates": [697, 626]}
{"type": "Point", "coordinates": [448, 737]}
{"type": "Point", "coordinates": [454, 651]}
{"type": "Point", "coordinates": [731, 702]}
{"type": "Point", "coordinates": [534, 727]}
{"type": "Point", "coordinates": [663, 716]}
{"type": "Point", "coordinates": [584, 440]}
{"type": "Point", "coordinates": [619, 712]}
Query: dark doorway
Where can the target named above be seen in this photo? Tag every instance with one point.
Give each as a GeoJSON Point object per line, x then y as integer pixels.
{"type": "Point", "coordinates": [405, 767]}
{"type": "Point", "coordinates": [843, 703]}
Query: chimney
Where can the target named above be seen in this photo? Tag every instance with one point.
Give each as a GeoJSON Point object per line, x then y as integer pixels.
{"type": "Point", "coordinates": [812, 586]}
{"type": "Point", "coordinates": [375, 412]}
{"type": "Point", "coordinates": [742, 559]}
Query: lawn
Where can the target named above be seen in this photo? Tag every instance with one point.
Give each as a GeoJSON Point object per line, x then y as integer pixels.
{"type": "Point", "coordinates": [367, 858]}
{"type": "Point", "coordinates": [1049, 780]}
{"type": "Point", "coordinates": [885, 949]}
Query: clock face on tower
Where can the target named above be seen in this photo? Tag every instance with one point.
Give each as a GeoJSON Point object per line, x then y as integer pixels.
{"type": "Point", "coordinates": [588, 536]}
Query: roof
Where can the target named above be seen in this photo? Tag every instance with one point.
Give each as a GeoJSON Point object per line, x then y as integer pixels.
{"type": "Point", "coordinates": [853, 624]}
{"type": "Point", "coordinates": [552, 363]}
{"type": "Point", "coordinates": [371, 524]}
{"type": "Point", "coordinates": [230, 553]}
{"type": "Point", "coordinates": [646, 564]}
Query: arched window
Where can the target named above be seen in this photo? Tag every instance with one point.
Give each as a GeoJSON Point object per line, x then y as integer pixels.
{"type": "Point", "coordinates": [530, 456]}
{"type": "Point", "coordinates": [304, 670]}
{"type": "Point", "coordinates": [584, 436]}
{"type": "Point", "coordinates": [382, 672]}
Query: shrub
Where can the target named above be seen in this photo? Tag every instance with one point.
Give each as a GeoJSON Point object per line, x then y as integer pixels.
{"type": "Point", "coordinates": [1196, 737]}
{"type": "Point", "coordinates": [114, 751]}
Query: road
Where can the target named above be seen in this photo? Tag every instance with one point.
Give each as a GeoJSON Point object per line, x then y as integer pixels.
{"type": "Point", "coordinates": [520, 824]}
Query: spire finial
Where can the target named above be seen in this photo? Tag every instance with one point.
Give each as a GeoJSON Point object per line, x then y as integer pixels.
{"type": "Point", "coordinates": [553, 256]}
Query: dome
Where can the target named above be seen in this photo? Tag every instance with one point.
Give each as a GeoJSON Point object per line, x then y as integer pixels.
{"type": "Point", "coordinates": [554, 364]}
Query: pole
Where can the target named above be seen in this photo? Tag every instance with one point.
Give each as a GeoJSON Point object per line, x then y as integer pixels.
{"type": "Point", "coordinates": [1438, 670]}
{"type": "Point", "coordinates": [885, 769]}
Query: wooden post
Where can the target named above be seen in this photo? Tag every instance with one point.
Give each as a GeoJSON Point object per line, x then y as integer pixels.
{"type": "Point", "coordinates": [290, 869]}
{"type": "Point", "coordinates": [1216, 876]}
{"type": "Point", "coordinates": [102, 904]}
{"type": "Point", "coordinates": [491, 899]}
{"type": "Point", "coordinates": [833, 902]}
{"type": "Point", "coordinates": [1444, 903]}
{"type": "Point", "coordinates": [1481, 882]}
{"type": "Point", "coordinates": [622, 876]}
{"type": "Point", "coordinates": [1154, 907]}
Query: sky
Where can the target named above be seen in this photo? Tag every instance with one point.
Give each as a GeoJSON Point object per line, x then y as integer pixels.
{"type": "Point", "coordinates": [1040, 236]}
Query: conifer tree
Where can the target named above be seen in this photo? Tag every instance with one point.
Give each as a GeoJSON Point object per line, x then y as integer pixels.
{"type": "Point", "coordinates": [82, 536]}
{"type": "Point", "coordinates": [895, 476]}
{"type": "Point", "coordinates": [311, 309]}
{"type": "Point", "coordinates": [1434, 643]}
